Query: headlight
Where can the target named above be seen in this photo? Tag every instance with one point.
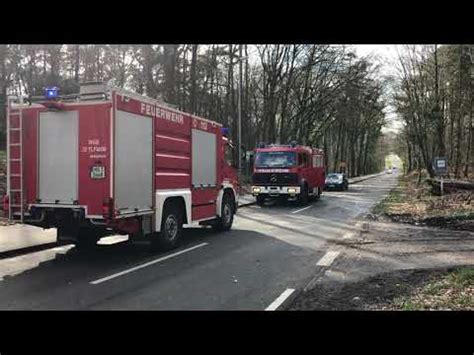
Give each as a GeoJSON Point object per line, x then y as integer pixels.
{"type": "Point", "coordinates": [256, 190]}
{"type": "Point", "coordinates": [291, 190]}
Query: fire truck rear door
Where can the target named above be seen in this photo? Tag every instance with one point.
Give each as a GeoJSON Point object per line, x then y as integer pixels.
{"type": "Point", "coordinates": [58, 157]}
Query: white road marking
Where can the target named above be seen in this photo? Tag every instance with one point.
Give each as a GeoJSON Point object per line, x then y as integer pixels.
{"type": "Point", "coordinates": [328, 258]}
{"type": "Point", "coordinates": [349, 235]}
{"type": "Point", "coordinates": [107, 278]}
{"type": "Point", "coordinates": [302, 209]}
{"type": "Point", "coordinates": [277, 303]}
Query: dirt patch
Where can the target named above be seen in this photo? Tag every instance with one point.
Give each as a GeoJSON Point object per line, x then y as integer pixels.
{"type": "Point", "coordinates": [457, 222]}
{"type": "Point", "coordinates": [381, 292]}
{"type": "Point", "coordinates": [412, 201]}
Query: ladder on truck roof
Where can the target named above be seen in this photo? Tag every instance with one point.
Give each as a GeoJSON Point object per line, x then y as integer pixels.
{"type": "Point", "coordinates": [15, 192]}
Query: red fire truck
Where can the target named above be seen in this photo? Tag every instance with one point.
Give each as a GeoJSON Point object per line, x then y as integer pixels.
{"type": "Point", "coordinates": [112, 161]}
{"type": "Point", "coordinates": [291, 172]}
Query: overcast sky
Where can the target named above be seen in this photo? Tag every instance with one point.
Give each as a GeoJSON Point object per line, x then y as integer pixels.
{"type": "Point", "coordinates": [386, 56]}
{"type": "Point", "coordinates": [382, 51]}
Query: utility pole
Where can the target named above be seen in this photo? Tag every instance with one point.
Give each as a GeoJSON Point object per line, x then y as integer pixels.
{"type": "Point", "coordinates": [240, 112]}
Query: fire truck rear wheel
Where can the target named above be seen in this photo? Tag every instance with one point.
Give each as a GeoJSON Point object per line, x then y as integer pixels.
{"type": "Point", "coordinates": [224, 223]}
{"type": "Point", "coordinates": [86, 238]}
{"type": "Point", "coordinates": [171, 228]}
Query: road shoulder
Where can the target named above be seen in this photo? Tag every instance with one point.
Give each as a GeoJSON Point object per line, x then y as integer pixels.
{"type": "Point", "coordinates": [373, 259]}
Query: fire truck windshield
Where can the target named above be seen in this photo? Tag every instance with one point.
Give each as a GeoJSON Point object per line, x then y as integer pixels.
{"type": "Point", "coordinates": [275, 159]}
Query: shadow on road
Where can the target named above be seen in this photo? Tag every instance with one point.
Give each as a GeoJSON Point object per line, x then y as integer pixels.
{"type": "Point", "coordinates": [208, 274]}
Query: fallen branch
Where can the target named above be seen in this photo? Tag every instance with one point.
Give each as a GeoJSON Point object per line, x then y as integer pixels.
{"type": "Point", "coordinates": [450, 185]}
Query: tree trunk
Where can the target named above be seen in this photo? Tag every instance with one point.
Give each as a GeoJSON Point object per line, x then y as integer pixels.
{"type": "Point", "coordinates": [409, 159]}
{"type": "Point", "coordinates": [192, 99]}
{"type": "Point", "coordinates": [183, 101]}
{"type": "Point", "coordinates": [438, 113]}
{"type": "Point", "coordinates": [470, 143]}
{"type": "Point", "coordinates": [246, 104]}
{"type": "Point", "coordinates": [230, 74]}
{"type": "Point", "coordinates": [76, 63]}
{"type": "Point", "coordinates": [460, 116]}
{"type": "Point", "coordinates": [170, 52]}
{"type": "Point", "coordinates": [148, 64]}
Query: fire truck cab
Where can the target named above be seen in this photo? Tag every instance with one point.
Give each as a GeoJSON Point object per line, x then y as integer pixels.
{"type": "Point", "coordinates": [290, 172]}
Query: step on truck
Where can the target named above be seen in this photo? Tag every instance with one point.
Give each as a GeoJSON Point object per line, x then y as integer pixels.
{"type": "Point", "coordinates": [288, 172]}
{"type": "Point", "coordinates": [109, 161]}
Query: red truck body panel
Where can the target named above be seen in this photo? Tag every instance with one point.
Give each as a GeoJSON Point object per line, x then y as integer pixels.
{"type": "Point", "coordinates": [173, 147]}
{"type": "Point", "coordinates": [94, 125]}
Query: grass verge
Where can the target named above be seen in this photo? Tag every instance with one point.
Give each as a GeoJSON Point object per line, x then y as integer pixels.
{"type": "Point", "coordinates": [452, 291]}
{"type": "Point", "coordinates": [412, 201]}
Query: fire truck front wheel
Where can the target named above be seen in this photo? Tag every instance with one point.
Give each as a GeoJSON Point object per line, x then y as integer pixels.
{"type": "Point", "coordinates": [304, 195]}
{"type": "Point", "coordinates": [224, 223]}
{"type": "Point", "coordinates": [171, 228]}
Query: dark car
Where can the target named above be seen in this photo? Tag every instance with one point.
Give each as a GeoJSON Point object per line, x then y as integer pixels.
{"type": "Point", "coordinates": [336, 181]}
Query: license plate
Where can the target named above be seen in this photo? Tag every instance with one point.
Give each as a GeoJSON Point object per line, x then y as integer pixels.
{"type": "Point", "coordinates": [332, 185]}
{"type": "Point", "coordinates": [98, 172]}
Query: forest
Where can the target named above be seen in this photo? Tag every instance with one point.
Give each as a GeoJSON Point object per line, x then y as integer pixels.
{"type": "Point", "coordinates": [319, 95]}
{"type": "Point", "coordinates": [433, 96]}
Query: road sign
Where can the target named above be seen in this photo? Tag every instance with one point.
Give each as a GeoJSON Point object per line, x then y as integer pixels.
{"type": "Point", "coordinates": [440, 165]}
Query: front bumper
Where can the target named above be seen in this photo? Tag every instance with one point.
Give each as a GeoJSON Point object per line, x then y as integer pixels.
{"type": "Point", "coordinates": [332, 185]}
{"type": "Point", "coordinates": [275, 191]}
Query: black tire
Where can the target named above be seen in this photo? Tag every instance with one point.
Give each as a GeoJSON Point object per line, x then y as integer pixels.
{"type": "Point", "coordinates": [260, 200]}
{"type": "Point", "coordinates": [224, 223]}
{"type": "Point", "coordinates": [87, 238]}
{"type": "Point", "coordinates": [304, 197]}
{"type": "Point", "coordinates": [171, 228]}
{"type": "Point", "coordinates": [317, 196]}
{"type": "Point", "coordinates": [66, 235]}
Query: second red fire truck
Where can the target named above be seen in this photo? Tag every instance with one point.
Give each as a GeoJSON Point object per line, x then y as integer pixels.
{"type": "Point", "coordinates": [290, 172]}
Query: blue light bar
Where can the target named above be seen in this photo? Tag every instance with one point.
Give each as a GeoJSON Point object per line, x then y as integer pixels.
{"type": "Point", "coordinates": [51, 92]}
{"type": "Point", "coordinates": [225, 131]}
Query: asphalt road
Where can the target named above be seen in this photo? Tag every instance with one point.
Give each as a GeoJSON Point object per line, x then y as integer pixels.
{"type": "Point", "coordinates": [270, 251]}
